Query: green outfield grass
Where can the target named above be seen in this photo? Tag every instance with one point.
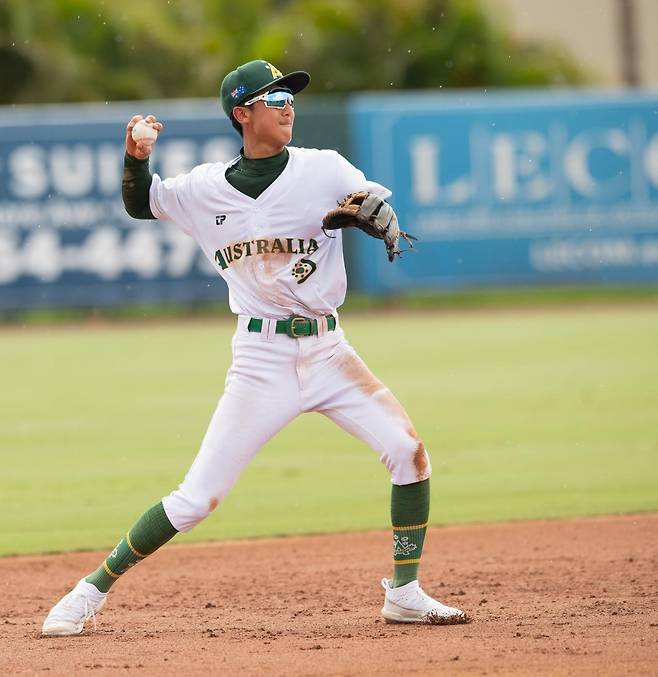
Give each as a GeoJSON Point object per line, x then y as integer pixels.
{"type": "Point", "coordinates": [526, 413]}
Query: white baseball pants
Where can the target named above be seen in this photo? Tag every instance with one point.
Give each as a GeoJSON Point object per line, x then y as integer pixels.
{"type": "Point", "coordinates": [273, 378]}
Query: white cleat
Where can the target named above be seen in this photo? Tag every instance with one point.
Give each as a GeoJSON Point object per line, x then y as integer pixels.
{"type": "Point", "coordinates": [409, 604]}
{"type": "Point", "coordinates": [69, 615]}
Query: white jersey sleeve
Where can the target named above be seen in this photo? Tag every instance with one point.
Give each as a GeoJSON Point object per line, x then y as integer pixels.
{"type": "Point", "coordinates": [349, 179]}
{"type": "Point", "coordinates": [175, 199]}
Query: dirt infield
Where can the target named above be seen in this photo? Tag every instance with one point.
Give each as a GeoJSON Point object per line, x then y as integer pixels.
{"type": "Point", "coordinates": [556, 597]}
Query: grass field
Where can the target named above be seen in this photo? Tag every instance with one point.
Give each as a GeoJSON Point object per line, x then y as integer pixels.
{"type": "Point", "coordinates": [533, 413]}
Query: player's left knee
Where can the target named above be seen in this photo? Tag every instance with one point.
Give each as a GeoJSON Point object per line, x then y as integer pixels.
{"type": "Point", "coordinates": [411, 463]}
{"type": "Point", "coordinates": [419, 462]}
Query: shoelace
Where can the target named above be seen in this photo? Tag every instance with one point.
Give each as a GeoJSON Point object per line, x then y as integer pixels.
{"type": "Point", "coordinates": [90, 612]}
{"type": "Point", "coordinates": [89, 608]}
{"type": "Point", "coordinates": [419, 595]}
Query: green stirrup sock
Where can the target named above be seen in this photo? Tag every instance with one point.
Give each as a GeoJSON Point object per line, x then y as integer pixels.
{"type": "Point", "coordinates": [410, 510]}
{"type": "Point", "coordinates": [151, 530]}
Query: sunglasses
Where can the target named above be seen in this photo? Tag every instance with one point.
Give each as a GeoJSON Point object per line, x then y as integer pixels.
{"type": "Point", "coordinates": [277, 99]}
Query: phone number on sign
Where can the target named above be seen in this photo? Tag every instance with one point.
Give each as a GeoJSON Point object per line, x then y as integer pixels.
{"type": "Point", "coordinates": [106, 252]}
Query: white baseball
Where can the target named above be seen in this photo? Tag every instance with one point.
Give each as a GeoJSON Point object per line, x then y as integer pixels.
{"type": "Point", "coordinates": [143, 133]}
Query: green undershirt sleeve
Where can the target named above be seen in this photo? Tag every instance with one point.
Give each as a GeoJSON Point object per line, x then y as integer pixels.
{"type": "Point", "coordinates": [135, 187]}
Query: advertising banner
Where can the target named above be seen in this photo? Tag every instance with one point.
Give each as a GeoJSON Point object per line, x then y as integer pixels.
{"type": "Point", "coordinates": [507, 188]}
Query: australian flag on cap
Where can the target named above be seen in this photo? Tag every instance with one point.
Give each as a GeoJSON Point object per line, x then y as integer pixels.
{"type": "Point", "coordinates": [238, 91]}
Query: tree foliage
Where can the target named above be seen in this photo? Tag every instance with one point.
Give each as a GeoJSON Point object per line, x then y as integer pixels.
{"type": "Point", "coordinates": [81, 50]}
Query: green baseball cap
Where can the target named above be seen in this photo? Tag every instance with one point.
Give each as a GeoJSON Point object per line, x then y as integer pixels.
{"type": "Point", "coordinates": [250, 78]}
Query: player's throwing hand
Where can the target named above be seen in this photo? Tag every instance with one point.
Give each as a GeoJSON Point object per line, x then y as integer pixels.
{"type": "Point", "coordinates": [141, 134]}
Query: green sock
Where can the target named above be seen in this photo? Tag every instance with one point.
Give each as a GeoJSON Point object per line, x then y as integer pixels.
{"type": "Point", "coordinates": [410, 510]}
{"type": "Point", "coordinates": [151, 530]}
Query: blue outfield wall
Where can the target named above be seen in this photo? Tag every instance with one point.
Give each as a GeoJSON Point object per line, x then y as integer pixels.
{"type": "Point", "coordinates": [501, 189]}
{"type": "Point", "coordinates": [510, 188]}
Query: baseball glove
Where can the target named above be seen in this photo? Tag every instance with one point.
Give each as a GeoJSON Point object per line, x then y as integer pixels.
{"type": "Point", "coordinates": [373, 216]}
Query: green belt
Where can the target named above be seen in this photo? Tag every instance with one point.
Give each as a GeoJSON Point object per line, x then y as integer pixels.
{"type": "Point", "coordinates": [295, 326]}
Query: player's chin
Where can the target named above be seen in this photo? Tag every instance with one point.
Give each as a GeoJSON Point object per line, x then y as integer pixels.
{"type": "Point", "coordinates": [286, 133]}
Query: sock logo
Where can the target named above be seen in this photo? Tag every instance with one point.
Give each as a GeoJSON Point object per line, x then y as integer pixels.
{"type": "Point", "coordinates": [402, 546]}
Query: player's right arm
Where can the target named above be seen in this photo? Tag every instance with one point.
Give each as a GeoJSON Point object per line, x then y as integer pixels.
{"type": "Point", "coordinates": [147, 196]}
{"type": "Point", "coordinates": [137, 176]}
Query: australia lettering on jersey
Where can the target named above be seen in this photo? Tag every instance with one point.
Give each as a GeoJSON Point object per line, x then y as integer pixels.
{"type": "Point", "coordinates": [289, 245]}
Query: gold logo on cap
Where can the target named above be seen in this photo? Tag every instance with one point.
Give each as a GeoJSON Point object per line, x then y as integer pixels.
{"type": "Point", "coordinates": [276, 73]}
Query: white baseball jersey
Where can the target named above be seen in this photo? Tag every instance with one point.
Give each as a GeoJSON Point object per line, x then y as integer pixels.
{"type": "Point", "coordinates": [271, 250]}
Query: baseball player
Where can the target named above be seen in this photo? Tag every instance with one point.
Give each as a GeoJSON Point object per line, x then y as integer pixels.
{"type": "Point", "coordinates": [259, 220]}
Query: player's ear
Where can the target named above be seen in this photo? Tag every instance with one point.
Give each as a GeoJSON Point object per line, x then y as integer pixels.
{"type": "Point", "coordinates": [241, 114]}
